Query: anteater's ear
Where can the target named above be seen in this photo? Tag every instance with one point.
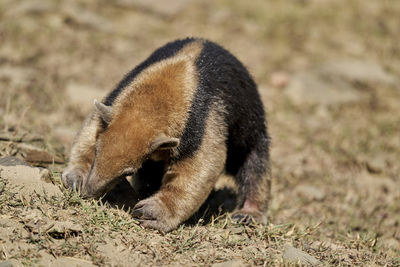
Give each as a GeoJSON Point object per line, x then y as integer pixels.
{"type": "Point", "coordinates": [104, 111]}
{"type": "Point", "coordinates": [164, 142]}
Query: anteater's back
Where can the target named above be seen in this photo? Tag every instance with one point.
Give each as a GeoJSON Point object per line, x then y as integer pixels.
{"type": "Point", "coordinates": [221, 78]}
{"type": "Point", "coordinates": [225, 79]}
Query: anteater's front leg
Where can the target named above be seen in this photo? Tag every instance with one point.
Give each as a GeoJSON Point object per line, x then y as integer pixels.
{"type": "Point", "coordinates": [186, 185]}
{"type": "Point", "coordinates": [185, 188]}
{"type": "Point", "coordinates": [82, 154]}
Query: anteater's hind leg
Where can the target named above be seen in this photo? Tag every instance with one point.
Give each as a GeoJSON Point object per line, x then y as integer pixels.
{"type": "Point", "coordinates": [254, 181]}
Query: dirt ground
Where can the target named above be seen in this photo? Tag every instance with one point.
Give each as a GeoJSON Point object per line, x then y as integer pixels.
{"type": "Point", "coordinates": [328, 72]}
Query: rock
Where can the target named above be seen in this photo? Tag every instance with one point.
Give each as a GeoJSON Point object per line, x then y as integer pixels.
{"type": "Point", "coordinates": [294, 255]}
{"type": "Point", "coordinates": [28, 180]}
{"type": "Point", "coordinates": [65, 227]}
{"type": "Point", "coordinates": [358, 71]}
{"type": "Point", "coordinates": [157, 6]}
{"type": "Point", "coordinates": [309, 87]}
{"type": "Point", "coordinates": [19, 137]}
{"type": "Point", "coordinates": [10, 263]}
{"type": "Point", "coordinates": [376, 165]}
{"type": "Point", "coordinates": [36, 222]}
{"type": "Point", "coordinates": [6, 264]}
{"type": "Point", "coordinates": [236, 230]}
{"type": "Point", "coordinates": [233, 263]}
{"type": "Point", "coordinates": [310, 192]}
{"type": "Point", "coordinates": [36, 155]}
{"type": "Point", "coordinates": [12, 161]}
{"type": "Point", "coordinates": [32, 215]}
{"type": "Point", "coordinates": [335, 82]}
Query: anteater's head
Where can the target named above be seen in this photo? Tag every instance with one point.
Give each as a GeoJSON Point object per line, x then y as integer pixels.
{"type": "Point", "coordinates": [122, 147]}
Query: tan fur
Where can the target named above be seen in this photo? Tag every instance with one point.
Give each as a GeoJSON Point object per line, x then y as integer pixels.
{"type": "Point", "coordinates": [226, 181]}
{"type": "Point", "coordinates": [139, 114]}
{"type": "Point", "coordinates": [189, 182]}
{"type": "Point", "coordinates": [82, 152]}
{"type": "Point", "coordinates": [262, 197]}
{"type": "Point", "coordinates": [153, 105]}
{"type": "Point", "coordinates": [154, 85]}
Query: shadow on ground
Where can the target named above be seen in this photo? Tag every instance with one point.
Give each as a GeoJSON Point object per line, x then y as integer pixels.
{"type": "Point", "coordinates": [220, 201]}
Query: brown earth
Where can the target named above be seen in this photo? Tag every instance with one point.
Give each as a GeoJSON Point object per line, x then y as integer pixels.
{"type": "Point", "coordinates": [328, 74]}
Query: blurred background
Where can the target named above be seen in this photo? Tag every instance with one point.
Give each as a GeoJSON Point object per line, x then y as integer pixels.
{"type": "Point", "coordinates": [327, 70]}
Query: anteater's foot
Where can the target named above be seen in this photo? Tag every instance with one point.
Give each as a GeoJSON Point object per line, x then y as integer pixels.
{"type": "Point", "coordinates": [247, 218]}
{"type": "Point", "coordinates": [73, 178]}
{"type": "Point", "coordinates": [153, 213]}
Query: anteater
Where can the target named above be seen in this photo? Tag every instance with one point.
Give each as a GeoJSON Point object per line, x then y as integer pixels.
{"type": "Point", "coordinates": [188, 113]}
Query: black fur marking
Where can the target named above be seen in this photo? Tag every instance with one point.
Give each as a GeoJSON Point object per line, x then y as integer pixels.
{"type": "Point", "coordinates": [162, 53]}
{"type": "Point", "coordinates": [224, 79]}
{"type": "Point", "coordinates": [149, 178]}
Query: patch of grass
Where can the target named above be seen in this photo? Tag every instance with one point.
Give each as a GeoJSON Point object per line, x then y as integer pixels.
{"type": "Point", "coordinates": [356, 223]}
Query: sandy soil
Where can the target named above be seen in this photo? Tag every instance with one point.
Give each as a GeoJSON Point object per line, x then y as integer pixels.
{"type": "Point", "coordinates": [328, 74]}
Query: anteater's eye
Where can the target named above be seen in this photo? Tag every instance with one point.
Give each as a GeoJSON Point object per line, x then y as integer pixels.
{"type": "Point", "coordinates": [103, 124]}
